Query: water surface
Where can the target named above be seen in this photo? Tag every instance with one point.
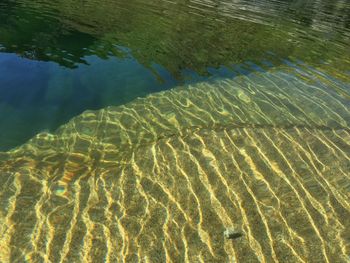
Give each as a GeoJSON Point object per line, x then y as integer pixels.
{"type": "Point", "coordinates": [61, 58]}
{"type": "Point", "coordinates": [143, 131]}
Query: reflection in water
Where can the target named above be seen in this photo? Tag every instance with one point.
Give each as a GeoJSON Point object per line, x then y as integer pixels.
{"type": "Point", "coordinates": [177, 35]}
{"type": "Point", "coordinates": [173, 41]}
{"type": "Point", "coordinates": [161, 179]}
{"type": "Point", "coordinates": [248, 161]}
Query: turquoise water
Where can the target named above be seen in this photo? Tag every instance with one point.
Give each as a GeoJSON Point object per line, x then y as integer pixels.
{"type": "Point", "coordinates": [60, 58]}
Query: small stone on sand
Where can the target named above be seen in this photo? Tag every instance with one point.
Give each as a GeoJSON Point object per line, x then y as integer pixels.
{"type": "Point", "coordinates": [232, 233]}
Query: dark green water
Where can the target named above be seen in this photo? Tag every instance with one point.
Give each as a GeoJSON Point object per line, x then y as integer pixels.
{"type": "Point", "coordinates": [59, 58]}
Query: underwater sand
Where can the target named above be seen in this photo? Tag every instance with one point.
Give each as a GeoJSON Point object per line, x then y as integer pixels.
{"type": "Point", "coordinates": [160, 179]}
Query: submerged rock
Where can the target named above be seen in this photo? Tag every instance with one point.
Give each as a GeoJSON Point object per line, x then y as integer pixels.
{"type": "Point", "coordinates": [232, 233]}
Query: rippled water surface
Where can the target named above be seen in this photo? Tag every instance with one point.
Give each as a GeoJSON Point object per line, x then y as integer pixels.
{"type": "Point", "coordinates": [174, 131]}
{"type": "Point", "coordinates": [60, 58]}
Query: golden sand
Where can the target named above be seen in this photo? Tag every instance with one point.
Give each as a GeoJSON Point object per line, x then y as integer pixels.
{"type": "Point", "coordinates": [162, 178]}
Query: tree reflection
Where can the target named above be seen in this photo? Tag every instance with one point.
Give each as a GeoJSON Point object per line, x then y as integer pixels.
{"type": "Point", "coordinates": [180, 35]}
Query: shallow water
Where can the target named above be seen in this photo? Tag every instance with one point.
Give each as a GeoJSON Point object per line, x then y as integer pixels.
{"type": "Point", "coordinates": [243, 124]}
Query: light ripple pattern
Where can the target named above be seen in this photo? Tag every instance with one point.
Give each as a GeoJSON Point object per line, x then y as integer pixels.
{"type": "Point", "coordinates": [160, 179]}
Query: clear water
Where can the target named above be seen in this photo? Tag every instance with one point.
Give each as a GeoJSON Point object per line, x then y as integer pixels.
{"type": "Point", "coordinates": [61, 58]}
{"type": "Point", "coordinates": [142, 131]}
